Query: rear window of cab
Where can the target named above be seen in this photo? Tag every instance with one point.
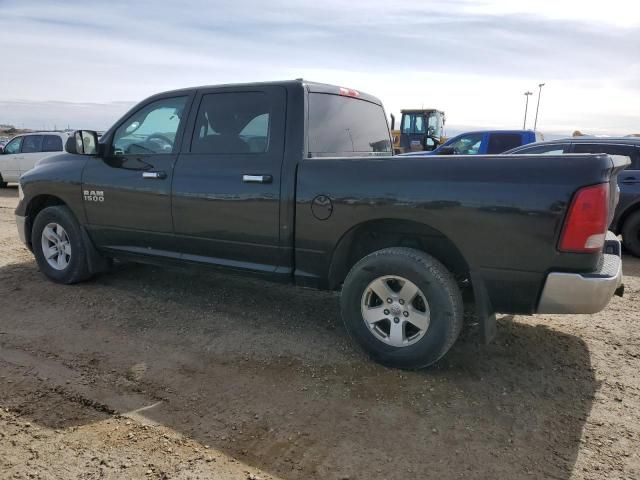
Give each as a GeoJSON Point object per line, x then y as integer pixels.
{"type": "Point", "coordinates": [343, 126]}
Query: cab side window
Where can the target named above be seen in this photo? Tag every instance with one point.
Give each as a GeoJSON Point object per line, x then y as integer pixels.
{"type": "Point", "coordinates": [13, 146]}
{"type": "Point", "coordinates": [232, 123]}
{"type": "Point", "coordinates": [52, 143]}
{"type": "Point", "coordinates": [629, 151]}
{"type": "Point", "coordinates": [151, 130]}
{"type": "Point", "coordinates": [32, 144]}
{"type": "Point", "coordinates": [555, 149]}
{"type": "Point", "coordinates": [501, 142]}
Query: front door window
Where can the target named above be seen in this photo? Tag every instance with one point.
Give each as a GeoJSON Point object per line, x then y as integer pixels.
{"type": "Point", "coordinates": [152, 130]}
{"type": "Point", "coordinates": [13, 146]}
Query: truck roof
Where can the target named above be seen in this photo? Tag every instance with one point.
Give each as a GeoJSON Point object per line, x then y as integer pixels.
{"type": "Point", "coordinates": [588, 139]}
{"type": "Point", "coordinates": [315, 87]}
{"type": "Point", "coordinates": [420, 110]}
{"type": "Point", "coordinates": [497, 131]}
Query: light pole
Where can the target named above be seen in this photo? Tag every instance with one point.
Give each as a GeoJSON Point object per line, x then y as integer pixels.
{"type": "Point", "coordinates": [526, 106]}
{"type": "Point", "coordinates": [535, 123]}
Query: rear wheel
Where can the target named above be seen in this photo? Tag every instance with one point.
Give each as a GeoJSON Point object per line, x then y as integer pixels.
{"type": "Point", "coordinates": [631, 234]}
{"type": "Point", "coordinates": [402, 306]}
{"type": "Point", "coordinates": [58, 247]}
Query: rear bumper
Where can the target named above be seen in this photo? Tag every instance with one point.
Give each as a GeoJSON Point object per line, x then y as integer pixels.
{"type": "Point", "coordinates": [584, 292]}
{"type": "Point", "coordinates": [21, 223]}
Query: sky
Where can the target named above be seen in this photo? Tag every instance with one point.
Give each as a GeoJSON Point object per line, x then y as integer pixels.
{"type": "Point", "coordinates": [82, 63]}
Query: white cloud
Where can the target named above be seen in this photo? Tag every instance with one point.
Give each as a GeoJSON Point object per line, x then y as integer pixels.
{"type": "Point", "coordinates": [473, 59]}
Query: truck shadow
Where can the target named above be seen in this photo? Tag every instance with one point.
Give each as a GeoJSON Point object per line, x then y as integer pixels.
{"type": "Point", "coordinates": [266, 374]}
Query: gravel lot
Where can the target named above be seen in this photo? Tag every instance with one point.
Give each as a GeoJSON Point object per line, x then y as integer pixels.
{"type": "Point", "coordinates": [150, 373]}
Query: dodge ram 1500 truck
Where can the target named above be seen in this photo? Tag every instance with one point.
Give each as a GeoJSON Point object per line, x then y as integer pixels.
{"type": "Point", "coordinates": [296, 181]}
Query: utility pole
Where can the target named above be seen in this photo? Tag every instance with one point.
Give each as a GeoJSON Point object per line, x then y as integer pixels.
{"type": "Point", "coordinates": [535, 123]}
{"type": "Point", "coordinates": [526, 106]}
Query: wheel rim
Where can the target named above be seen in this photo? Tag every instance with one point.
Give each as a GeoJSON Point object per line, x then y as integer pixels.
{"type": "Point", "coordinates": [395, 310]}
{"type": "Point", "coordinates": [56, 246]}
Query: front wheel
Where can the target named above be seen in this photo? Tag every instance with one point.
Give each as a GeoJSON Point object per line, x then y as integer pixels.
{"type": "Point", "coordinates": [58, 247]}
{"type": "Point", "coordinates": [402, 306]}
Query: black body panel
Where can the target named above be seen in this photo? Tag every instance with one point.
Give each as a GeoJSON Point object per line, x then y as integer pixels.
{"type": "Point", "coordinates": [504, 214]}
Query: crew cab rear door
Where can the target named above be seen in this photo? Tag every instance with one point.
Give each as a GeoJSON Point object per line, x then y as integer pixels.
{"type": "Point", "coordinates": [226, 185]}
{"type": "Point", "coordinates": [127, 191]}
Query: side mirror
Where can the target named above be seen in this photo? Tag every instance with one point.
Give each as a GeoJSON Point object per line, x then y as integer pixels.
{"type": "Point", "coordinates": [82, 142]}
{"type": "Point", "coordinates": [448, 150]}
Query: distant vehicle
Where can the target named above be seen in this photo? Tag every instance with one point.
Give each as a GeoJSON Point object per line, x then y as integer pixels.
{"type": "Point", "coordinates": [420, 130]}
{"type": "Point", "coordinates": [626, 221]}
{"type": "Point", "coordinates": [22, 152]}
{"type": "Point", "coordinates": [485, 142]}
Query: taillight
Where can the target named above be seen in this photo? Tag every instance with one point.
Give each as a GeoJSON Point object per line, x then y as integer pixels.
{"type": "Point", "coordinates": [585, 228]}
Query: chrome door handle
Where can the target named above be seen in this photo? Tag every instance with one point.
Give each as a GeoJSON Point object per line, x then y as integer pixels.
{"type": "Point", "coordinates": [257, 178]}
{"type": "Point", "coordinates": [158, 175]}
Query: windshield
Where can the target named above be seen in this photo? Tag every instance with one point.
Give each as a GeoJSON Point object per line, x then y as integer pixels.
{"type": "Point", "coordinates": [415, 123]}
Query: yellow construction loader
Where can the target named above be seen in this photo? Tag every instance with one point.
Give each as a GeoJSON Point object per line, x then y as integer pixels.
{"type": "Point", "coordinates": [419, 130]}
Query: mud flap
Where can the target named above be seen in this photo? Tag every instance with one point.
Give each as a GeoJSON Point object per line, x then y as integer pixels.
{"type": "Point", "coordinates": [484, 311]}
{"type": "Point", "coordinates": [96, 262]}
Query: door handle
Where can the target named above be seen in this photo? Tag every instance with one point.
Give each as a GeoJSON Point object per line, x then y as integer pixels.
{"type": "Point", "coordinates": [257, 178]}
{"type": "Point", "coordinates": [158, 175]}
{"type": "Point", "coordinates": [629, 180]}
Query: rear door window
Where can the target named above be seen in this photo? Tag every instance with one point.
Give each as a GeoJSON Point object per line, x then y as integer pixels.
{"type": "Point", "coordinates": [501, 142]}
{"type": "Point", "coordinates": [232, 123]}
{"type": "Point", "coordinates": [342, 126]}
{"type": "Point", "coordinates": [555, 149]}
{"type": "Point", "coordinates": [628, 151]}
{"type": "Point", "coordinates": [51, 143]}
{"type": "Point", "coordinates": [32, 144]}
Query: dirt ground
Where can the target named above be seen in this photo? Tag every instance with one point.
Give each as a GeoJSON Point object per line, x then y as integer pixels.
{"type": "Point", "coordinates": [158, 374]}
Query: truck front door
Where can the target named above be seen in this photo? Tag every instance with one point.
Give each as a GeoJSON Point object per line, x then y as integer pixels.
{"type": "Point", "coordinates": [226, 186]}
{"type": "Point", "coordinates": [127, 192]}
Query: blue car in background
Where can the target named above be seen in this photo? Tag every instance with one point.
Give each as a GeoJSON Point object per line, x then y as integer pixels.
{"type": "Point", "coordinates": [484, 142]}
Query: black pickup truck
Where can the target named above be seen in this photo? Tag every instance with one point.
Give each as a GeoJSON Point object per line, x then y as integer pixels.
{"type": "Point", "coordinates": [296, 181]}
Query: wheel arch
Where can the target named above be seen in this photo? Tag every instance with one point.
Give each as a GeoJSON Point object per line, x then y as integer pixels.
{"type": "Point", "coordinates": [373, 235]}
{"type": "Point", "coordinates": [630, 210]}
{"type": "Point", "coordinates": [35, 206]}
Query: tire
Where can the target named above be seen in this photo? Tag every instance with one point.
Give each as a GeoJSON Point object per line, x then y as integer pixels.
{"type": "Point", "coordinates": [74, 266]}
{"type": "Point", "coordinates": [438, 300]}
{"type": "Point", "coordinates": [631, 234]}
{"type": "Point", "coordinates": [3, 184]}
